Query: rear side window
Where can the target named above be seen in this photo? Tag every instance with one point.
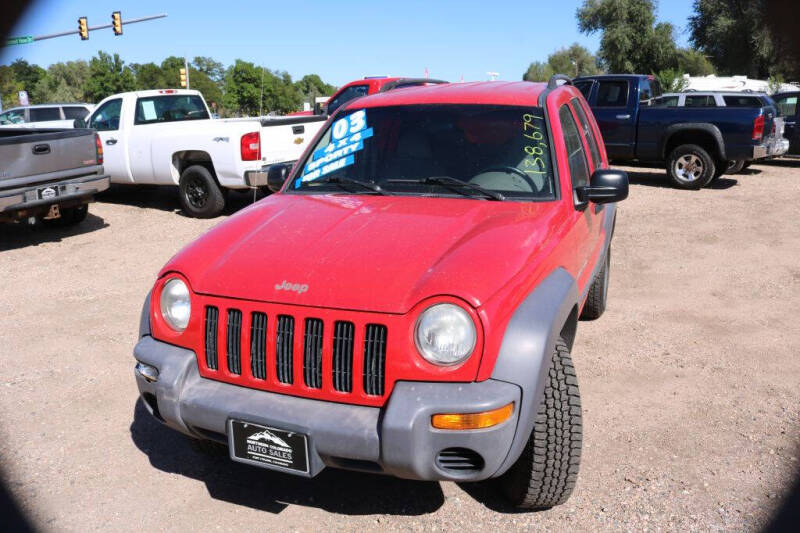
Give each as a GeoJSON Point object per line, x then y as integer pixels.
{"type": "Point", "coordinates": [585, 87]}
{"type": "Point", "coordinates": [741, 101]}
{"type": "Point", "coordinates": [704, 100]}
{"type": "Point", "coordinates": [645, 92]}
{"type": "Point", "coordinates": [787, 106]}
{"type": "Point", "coordinates": [106, 118]}
{"type": "Point", "coordinates": [15, 116]}
{"type": "Point", "coordinates": [43, 114]}
{"type": "Point", "coordinates": [348, 94]}
{"type": "Point", "coordinates": [667, 101]}
{"type": "Point", "coordinates": [588, 133]}
{"type": "Point", "coordinates": [75, 112]}
{"type": "Point", "coordinates": [578, 166]}
{"type": "Point", "coordinates": [612, 94]}
{"type": "Point", "coordinates": [173, 108]}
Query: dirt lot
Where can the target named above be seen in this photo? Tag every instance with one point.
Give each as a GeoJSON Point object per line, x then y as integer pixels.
{"type": "Point", "coordinates": [690, 382]}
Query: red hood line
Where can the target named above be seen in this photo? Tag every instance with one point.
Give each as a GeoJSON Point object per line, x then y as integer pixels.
{"type": "Point", "coordinates": [370, 253]}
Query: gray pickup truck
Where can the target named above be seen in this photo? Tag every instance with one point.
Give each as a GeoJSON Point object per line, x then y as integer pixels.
{"type": "Point", "coordinates": [49, 175]}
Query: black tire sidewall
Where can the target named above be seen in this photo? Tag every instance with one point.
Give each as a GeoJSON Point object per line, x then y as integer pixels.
{"type": "Point", "coordinates": [709, 167]}
{"type": "Point", "coordinates": [215, 199]}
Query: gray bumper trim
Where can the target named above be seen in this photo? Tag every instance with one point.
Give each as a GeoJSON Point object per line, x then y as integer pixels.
{"type": "Point", "coordinates": [397, 438]}
{"type": "Point", "coordinates": [68, 190]}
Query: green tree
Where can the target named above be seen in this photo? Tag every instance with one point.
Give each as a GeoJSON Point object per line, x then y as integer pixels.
{"type": "Point", "coordinates": [148, 76]}
{"type": "Point", "coordinates": [632, 41]}
{"type": "Point", "coordinates": [9, 86]}
{"type": "Point", "coordinates": [672, 80]}
{"type": "Point", "coordinates": [29, 76]}
{"type": "Point", "coordinates": [694, 63]}
{"type": "Point", "coordinates": [211, 68]}
{"type": "Point", "coordinates": [64, 82]}
{"type": "Point", "coordinates": [108, 75]}
{"type": "Point", "coordinates": [573, 61]}
{"type": "Point", "coordinates": [739, 38]}
{"type": "Point", "coordinates": [243, 88]}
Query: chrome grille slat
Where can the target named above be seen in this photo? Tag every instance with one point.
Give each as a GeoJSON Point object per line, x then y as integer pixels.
{"type": "Point", "coordinates": [343, 336]}
{"type": "Point", "coordinates": [312, 353]}
{"type": "Point", "coordinates": [374, 359]}
{"type": "Point", "coordinates": [284, 348]}
{"type": "Point", "coordinates": [234, 341]}
{"type": "Point", "coordinates": [212, 314]}
{"type": "Point", "coordinates": [258, 345]}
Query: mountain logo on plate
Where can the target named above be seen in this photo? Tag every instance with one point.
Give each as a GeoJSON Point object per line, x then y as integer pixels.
{"type": "Point", "coordinates": [266, 437]}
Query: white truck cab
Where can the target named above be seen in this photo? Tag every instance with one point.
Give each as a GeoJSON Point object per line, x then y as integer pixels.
{"type": "Point", "coordinates": [167, 137]}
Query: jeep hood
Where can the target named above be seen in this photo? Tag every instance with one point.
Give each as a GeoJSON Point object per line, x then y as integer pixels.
{"type": "Point", "coordinates": [364, 252]}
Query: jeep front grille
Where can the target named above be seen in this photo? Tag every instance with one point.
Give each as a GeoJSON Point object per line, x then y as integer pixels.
{"type": "Point", "coordinates": [317, 356]}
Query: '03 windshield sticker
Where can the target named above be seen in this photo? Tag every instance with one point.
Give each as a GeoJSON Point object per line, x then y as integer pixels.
{"type": "Point", "coordinates": [347, 138]}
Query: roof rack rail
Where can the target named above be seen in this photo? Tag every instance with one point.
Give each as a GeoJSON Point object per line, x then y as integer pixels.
{"type": "Point", "coordinates": [410, 82]}
{"type": "Point", "coordinates": [555, 78]}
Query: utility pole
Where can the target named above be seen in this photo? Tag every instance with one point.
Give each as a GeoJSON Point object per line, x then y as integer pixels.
{"type": "Point", "coordinates": [186, 67]}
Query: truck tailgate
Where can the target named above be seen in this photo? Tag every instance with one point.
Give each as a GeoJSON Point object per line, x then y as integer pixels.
{"type": "Point", "coordinates": [44, 151]}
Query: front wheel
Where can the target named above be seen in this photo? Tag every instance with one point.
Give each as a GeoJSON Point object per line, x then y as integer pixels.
{"type": "Point", "coordinates": [734, 167]}
{"type": "Point", "coordinates": [546, 472]}
{"type": "Point", "coordinates": [200, 196]}
{"type": "Point", "coordinates": [598, 292]}
{"type": "Point", "coordinates": [689, 166]}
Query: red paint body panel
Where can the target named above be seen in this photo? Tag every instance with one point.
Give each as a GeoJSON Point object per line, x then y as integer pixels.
{"type": "Point", "coordinates": [384, 259]}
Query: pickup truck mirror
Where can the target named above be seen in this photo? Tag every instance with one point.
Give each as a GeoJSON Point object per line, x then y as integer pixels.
{"type": "Point", "coordinates": [78, 123]}
{"type": "Point", "coordinates": [276, 176]}
{"type": "Point", "coordinates": [606, 186]}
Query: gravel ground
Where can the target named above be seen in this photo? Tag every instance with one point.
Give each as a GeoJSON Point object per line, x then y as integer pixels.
{"type": "Point", "coordinates": [690, 381]}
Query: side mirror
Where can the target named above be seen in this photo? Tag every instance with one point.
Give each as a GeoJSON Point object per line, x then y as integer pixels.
{"type": "Point", "coordinates": [276, 176]}
{"type": "Point", "coordinates": [78, 123]}
{"type": "Point", "coordinates": [606, 186]}
{"type": "Point", "coordinates": [319, 109]}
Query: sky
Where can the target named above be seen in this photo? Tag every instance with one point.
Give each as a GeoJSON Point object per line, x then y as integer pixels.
{"type": "Point", "coordinates": [339, 40]}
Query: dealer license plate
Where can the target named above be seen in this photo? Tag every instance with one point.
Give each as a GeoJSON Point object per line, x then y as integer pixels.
{"type": "Point", "coordinates": [268, 447]}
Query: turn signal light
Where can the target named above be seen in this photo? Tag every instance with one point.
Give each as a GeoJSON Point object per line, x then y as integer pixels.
{"type": "Point", "coordinates": [486, 419]}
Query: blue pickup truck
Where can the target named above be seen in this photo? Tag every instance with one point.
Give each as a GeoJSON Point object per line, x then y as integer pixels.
{"type": "Point", "coordinates": [695, 144]}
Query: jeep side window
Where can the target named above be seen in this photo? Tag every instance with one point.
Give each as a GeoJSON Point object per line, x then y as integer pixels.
{"type": "Point", "coordinates": [348, 94]}
{"type": "Point", "coordinates": [588, 133]}
{"type": "Point", "coordinates": [612, 94]}
{"type": "Point", "coordinates": [578, 166]}
{"type": "Point", "coordinates": [107, 117]}
{"type": "Point", "coordinates": [45, 114]}
{"type": "Point", "coordinates": [703, 100]}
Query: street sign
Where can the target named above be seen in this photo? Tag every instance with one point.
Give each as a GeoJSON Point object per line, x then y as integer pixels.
{"type": "Point", "coordinates": [23, 97]}
{"type": "Point", "coordinates": [27, 39]}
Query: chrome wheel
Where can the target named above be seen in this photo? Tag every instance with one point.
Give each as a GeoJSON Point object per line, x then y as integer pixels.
{"type": "Point", "coordinates": [689, 167]}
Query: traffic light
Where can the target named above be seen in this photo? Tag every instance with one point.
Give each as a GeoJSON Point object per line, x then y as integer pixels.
{"type": "Point", "coordinates": [83, 29]}
{"type": "Point", "coordinates": [183, 77]}
{"type": "Point", "coordinates": [116, 22]}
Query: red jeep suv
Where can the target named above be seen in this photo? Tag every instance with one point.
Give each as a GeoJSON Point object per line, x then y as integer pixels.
{"type": "Point", "coordinates": [407, 302]}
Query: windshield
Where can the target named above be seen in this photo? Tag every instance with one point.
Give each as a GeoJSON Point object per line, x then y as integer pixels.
{"type": "Point", "coordinates": [400, 148]}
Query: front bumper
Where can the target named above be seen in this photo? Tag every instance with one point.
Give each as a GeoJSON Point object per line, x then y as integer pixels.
{"type": "Point", "coordinates": [397, 439]}
{"type": "Point", "coordinates": [69, 191]}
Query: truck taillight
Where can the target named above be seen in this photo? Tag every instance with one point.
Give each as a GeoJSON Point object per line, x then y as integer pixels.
{"type": "Point", "coordinates": [758, 128]}
{"type": "Point", "coordinates": [98, 149]}
{"type": "Point", "coordinates": [251, 146]}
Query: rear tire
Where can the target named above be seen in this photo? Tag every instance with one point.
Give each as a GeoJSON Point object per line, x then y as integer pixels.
{"type": "Point", "coordinates": [70, 216]}
{"type": "Point", "coordinates": [200, 196]}
{"type": "Point", "coordinates": [598, 292]}
{"type": "Point", "coordinates": [546, 472]}
{"type": "Point", "coordinates": [689, 166]}
{"type": "Point", "coordinates": [734, 167]}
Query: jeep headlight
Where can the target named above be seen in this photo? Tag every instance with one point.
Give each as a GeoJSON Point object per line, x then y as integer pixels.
{"type": "Point", "coordinates": [445, 334]}
{"type": "Point", "coordinates": [176, 305]}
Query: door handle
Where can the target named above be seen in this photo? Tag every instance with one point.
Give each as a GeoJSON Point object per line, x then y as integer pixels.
{"type": "Point", "coordinates": [623, 117]}
{"type": "Point", "coordinates": [39, 149]}
{"type": "Point", "coordinates": [111, 141]}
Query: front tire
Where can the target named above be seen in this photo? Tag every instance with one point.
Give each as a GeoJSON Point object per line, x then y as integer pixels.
{"type": "Point", "coordinates": [689, 166]}
{"type": "Point", "coordinates": [200, 196]}
{"type": "Point", "coordinates": [734, 167]}
{"type": "Point", "coordinates": [546, 472]}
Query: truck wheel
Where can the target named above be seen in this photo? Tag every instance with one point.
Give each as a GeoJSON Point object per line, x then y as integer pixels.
{"type": "Point", "coordinates": [690, 167]}
{"type": "Point", "coordinates": [545, 473]}
{"type": "Point", "coordinates": [598, 292]}
{"type": "Point", "coordinates": [69, 216]}
{"type": "Point", "coordinates": [200, 195]}
{"type": "Point", "coordinates": [734, 167]}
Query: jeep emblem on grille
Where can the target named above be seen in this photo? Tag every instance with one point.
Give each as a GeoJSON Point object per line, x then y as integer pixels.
{"type": "Point", "coordinates": [296, 287]}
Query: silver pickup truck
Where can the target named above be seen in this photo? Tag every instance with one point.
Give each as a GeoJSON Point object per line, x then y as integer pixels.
{"type": "Point", "coordinates": [49, 175]}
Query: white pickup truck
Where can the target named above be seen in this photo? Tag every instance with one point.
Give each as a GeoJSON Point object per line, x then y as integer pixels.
{"type": "Point", "coordinates": [167, 137]}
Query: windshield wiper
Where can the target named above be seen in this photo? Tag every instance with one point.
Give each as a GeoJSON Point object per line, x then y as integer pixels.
{"type": "Point", "coordinates": [341, 181]}
{"type": "Point", "coordinates": [455, 184]}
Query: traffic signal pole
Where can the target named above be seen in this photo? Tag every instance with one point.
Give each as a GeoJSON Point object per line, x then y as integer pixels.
{"type": "Point", "coordinates": [31, 38]}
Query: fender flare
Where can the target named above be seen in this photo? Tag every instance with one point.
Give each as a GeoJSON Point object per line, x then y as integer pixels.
{"type": "Point", "coordinates": [527, 348]}
{"type": "Point", "coordinates": [703, 127]}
